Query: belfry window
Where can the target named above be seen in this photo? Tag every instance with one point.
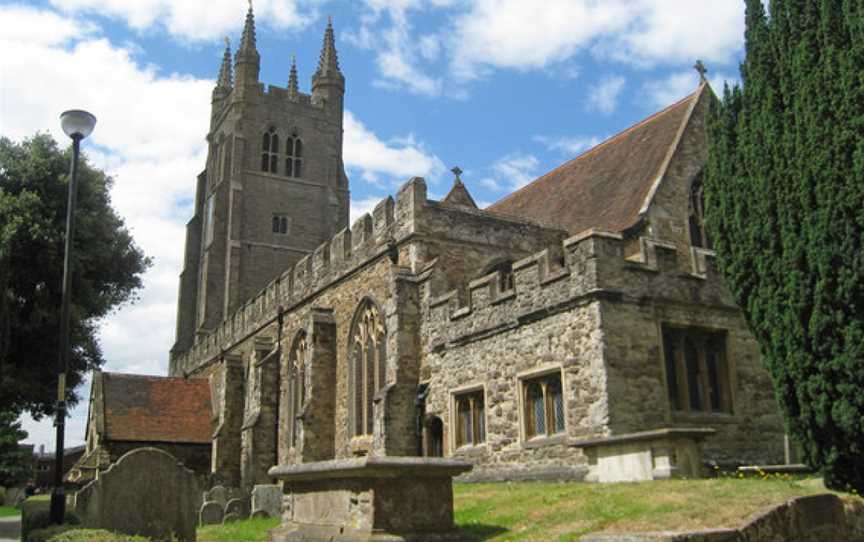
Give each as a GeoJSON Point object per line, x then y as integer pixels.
{"type": "Point", "coordinates": [270, 151]}
{"type": "Point", "coordinates": [280, 224]}
{"type": "Point", "coordinates": [698, 233]}
{"type": "Point", "coordinates": [294, 157]}
{"type": "Point", "coordinates": [296, 389]}
{"type": "Point", "coordinates": [367, 375]}
{"type": "Point", "coordinates": [543, 406]}
{"type": "Point", "coordinates": [697, 375]}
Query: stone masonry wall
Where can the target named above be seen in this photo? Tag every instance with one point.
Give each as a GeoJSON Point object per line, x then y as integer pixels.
{"type": "Point", "coordinates": [486, 336]}
{"type": "Point", "coordinates": [569, 343]}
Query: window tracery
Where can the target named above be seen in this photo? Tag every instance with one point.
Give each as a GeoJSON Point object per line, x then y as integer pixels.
{"type": "Point", "coordinates": [296, 386]}
{"type": "Point", "coordinates": [367, 365]}
{"type": "Point", "coordinates": [270, 151]}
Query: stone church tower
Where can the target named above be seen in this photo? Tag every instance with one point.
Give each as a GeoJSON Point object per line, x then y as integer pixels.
{"type": "Point", "coordinates": [274, 187]}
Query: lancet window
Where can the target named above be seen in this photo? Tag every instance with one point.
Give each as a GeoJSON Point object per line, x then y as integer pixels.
{"type": "Point", "coordinates": [698, 233]}
{"type": "Point", "coordinates": [296, 385]}
{"type": "Point", "coordinates": [270, 151]}
{"type": "Point", "coordinates": [294, 157]}
{"type": "Point", "coordinates": [367, 373]}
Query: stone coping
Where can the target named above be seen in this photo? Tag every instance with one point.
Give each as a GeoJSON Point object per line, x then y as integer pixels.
{"type": "Point", "coordinates": [666, 432]}
{"type": "Point", "coordinates": [370, 467]}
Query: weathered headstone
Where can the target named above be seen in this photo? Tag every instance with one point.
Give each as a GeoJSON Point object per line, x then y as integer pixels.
{"type": "Point", "coordinates": [14, 496]}
{"type": "Point", "coordinates": [147, 492]}
{"type": "Point", "coordinates": [230, 518]}
{"type": "Point", "coordinates": [217, 494]}
{"type": "Point", "coordinates": [238, 508]}
{"type": "Point", "coordinates": [211, 513]}
{"type": "Point", "coordinates": [268, 499]}
{"type": "Point", "coordinates": [260, 514]}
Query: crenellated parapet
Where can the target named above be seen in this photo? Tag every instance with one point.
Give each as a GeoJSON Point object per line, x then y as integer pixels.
{"type": "Point", "coordinates": [371, 235]}
{"type": "Point", "coordinates": [583, 268]}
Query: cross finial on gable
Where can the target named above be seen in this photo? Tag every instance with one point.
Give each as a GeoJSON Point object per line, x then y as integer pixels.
{"type": "Point", "coordinates": [700, 67]}
{"type": "Point", "coordinates": [456, 171]}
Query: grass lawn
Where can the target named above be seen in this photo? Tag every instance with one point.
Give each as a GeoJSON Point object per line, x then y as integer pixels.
{"type": "Point", "coordinates": [7, 511]}
{"type": "Point", "coordinates": [565, 511]}
{"type": "Point", "coordinates": [251, 530]}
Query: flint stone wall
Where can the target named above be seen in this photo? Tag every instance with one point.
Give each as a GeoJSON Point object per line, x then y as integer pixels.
{"type": "Point", "coordinates": [147, 492]}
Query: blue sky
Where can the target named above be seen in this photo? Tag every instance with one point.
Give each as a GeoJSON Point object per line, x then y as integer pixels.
{"type": "Point", "coordinates": [505, 89]}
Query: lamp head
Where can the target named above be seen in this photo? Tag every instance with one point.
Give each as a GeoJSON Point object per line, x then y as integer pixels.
{"type": "Point", "coordinates": [77, 123]}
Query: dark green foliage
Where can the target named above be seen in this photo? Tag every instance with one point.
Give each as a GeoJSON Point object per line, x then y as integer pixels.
{"type": "Point", "coordinates": [16, 463]}
{"type": "Point", "coordinates": [785, 205]}
{"type": "Point", "coordinates": [107, 268]}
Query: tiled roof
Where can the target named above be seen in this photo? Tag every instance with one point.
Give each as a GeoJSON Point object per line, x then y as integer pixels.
{"type": "Point", "coordinates": [605, 187]}
{"type": "Point", "coordinates": [156, 408]}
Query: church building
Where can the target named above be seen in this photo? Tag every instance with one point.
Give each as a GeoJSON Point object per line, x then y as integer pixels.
{"type": "Point", "coordinates": [576, 329]}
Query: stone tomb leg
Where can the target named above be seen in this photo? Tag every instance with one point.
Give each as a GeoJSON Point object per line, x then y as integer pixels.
{"type": "Point", "coordinates": [369, 499]}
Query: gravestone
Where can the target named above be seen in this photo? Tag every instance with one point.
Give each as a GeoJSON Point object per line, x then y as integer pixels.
{"type": "Point", "coordinates": [238, 508]}
{"type": "Point", "coordinates": [147, 492]}
{"type": "Point", "coordinates": [217, 494]}
{"type": "Point", "coordinates": [211, 513]}
{"type": "Point", "coordinates": [267, 498]}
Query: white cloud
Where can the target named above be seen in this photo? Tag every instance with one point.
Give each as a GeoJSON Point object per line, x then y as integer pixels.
{"type": "Point", "coordinates": [378, 161]}
{"type": "Point", "coordinates": [570, 147]}
{"type": "Point", "coordinates": [604, 95]}
{"type": "Point", "coordinates": [666, 91]}
{"type": "Point", "coordinates": [513, 171]}
{"type": "Point", "coordinates": [397, 53]}
{"type": "Point", "coordinates": [497, 34]}
{"type": "Point", "coordinates": [360, 207]}
{"type": "Point", "coordinates": [196, 20]}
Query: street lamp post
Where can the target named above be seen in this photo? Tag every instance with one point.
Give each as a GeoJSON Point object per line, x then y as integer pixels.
{"type": "Point", "coordinates": [77, 125]}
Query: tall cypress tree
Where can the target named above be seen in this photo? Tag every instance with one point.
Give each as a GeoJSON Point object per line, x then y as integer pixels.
{"type": "Point", "coordinates": [785, 204]}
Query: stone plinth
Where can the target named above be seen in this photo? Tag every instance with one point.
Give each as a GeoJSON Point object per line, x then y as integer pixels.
{"type": "Point", "coordinates": [648, 455]}
{"type": "Point", "coordinates": [370, 499]}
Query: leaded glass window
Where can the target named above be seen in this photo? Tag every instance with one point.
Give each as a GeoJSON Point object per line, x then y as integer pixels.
{"type": "Point", "coordinates": [368, 365]}
{"type": "Point", "coordinates": [470, 418]}
{"type": "Point", "coordinates": [544, 412]}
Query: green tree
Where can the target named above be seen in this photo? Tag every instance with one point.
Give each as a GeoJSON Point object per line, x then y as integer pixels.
{"type": "Point", "coordinates": [16, 463]}
{"type": "Point", "coordinates": [107, 268]}
{"type": "Point", "coordinates": [785, 205]}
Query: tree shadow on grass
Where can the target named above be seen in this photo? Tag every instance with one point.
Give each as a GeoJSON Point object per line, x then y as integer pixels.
{"type": "Point", "coordinates": [478, 532]}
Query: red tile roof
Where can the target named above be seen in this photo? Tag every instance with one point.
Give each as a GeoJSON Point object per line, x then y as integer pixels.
{"type": "Point", "coordinates": [605, 187]}
{"type": "Point", "coordinates": [156, 408]}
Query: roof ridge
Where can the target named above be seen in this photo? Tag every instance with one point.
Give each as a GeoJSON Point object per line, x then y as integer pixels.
{"type": "Point", "coordinates": [152, 377]}
{"type": "Point", "coordinates": [604, 143]}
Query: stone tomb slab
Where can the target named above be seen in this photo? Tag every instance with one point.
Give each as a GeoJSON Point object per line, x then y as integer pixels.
{"type": "Point", "coordinates": [370, 499]}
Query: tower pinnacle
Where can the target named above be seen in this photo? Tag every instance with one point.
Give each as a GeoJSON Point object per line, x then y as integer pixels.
{"type": "Point", "coordinates": [328, 62]}
{"type": "Point", "coordinates": [293, 88]}
{"type": "Point", "coordinates": [225, 80]}
{"type": "Point", "coordinates": [247, 40]}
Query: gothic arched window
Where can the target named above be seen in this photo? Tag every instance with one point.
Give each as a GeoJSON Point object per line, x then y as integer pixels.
{"type": "Point", "coordinates": [698, 233]}
{"type": "Point", "coordinates": [269, 151]}
{"type": "Point", "coordinates": [294, 155]}
{"type": "Point", "coordinates": [367, 365]}
{"type": "Point", "coordinates": [296, 389]}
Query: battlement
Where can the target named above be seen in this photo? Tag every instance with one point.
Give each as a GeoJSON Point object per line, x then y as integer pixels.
{"type": "Point", "coordinates": [369, 237]}
{"type": "Point", "coordinates": [583, 268]}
